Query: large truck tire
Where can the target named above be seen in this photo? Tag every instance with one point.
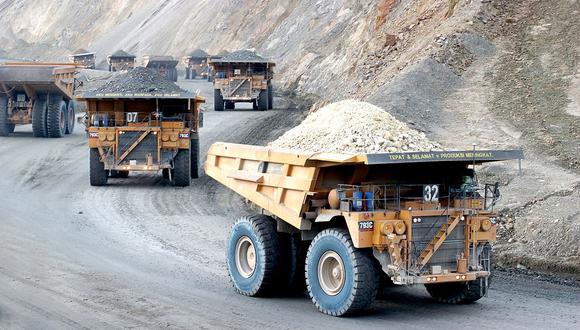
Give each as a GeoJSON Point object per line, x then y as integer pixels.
{"type": "Point", "coordinates": [56, 117]}
{"type": "Point", "coordinates": [39, 114]}
{"type": "Point", "coordinates": [340, 278]}
{"type": "Point", "coordinates": [263, 101]}
{"type": "Point", "coordinates": [270, 97]}
{"type": "Point", "coordinates": [98, 175]}
{"type": "Point", "coordinates": [182, 169]}
{"type": "Point", "coordinates": [119, 174]}
{"type": "Point", "coordinates": [293, 254]}
{"type": "Point", "coordinates": [458, 292]}
{"type": "Point", "coordinates": [464, 292]}
{"type": "Point", "coordinates": [254, 257]}
{"type": "Point", "coordinates": [70, 117]}
{"type": "Point", "coordinates": [5, 127]}
{"type": "Point", "coordinates": [194, 157]}
{"type": "Point", "coordinates": [218, 100]}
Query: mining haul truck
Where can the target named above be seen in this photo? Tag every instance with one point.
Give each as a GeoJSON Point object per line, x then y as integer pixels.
{"type": "Point", "coordinates": [163, 65]}
{"type": "Point", "coordinates": [143, 132]}
{"type": "Point", "coordinates": [351, 223]}
{"type": "Point", "coordinates": [40, 94]}
{"type": "Point", "coordinates": [242, 77]}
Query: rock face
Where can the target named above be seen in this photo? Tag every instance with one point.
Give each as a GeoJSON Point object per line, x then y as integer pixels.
{"type": "Point", "coordinates": [351, 126]}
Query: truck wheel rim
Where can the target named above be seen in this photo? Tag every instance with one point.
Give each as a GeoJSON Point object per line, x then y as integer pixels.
{"type": "Point", "coordinates": [331, 274]}
{"type": "Point", "coordinates": [245, 257]}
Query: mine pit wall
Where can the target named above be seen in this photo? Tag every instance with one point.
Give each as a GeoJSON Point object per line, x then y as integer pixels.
{"type": "Point", "coordinates": [402, 55]}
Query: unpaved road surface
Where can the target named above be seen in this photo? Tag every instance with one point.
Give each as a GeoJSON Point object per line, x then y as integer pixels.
{"type": "Point", "coordinates": [140, 253]}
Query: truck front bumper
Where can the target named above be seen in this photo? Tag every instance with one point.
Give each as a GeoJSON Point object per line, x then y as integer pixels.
{"type": "Point", "coordinates": [440, 278]}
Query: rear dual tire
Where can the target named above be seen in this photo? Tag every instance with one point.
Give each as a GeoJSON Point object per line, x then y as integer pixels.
{"type": "Point", "coordinates": [56, 118]}
{"type": "Point", "coordinates": [254, 258]}
{"type": "Point", "coordinates": [39, 112]}
{"type": "Point", "coordinates": [458, 292]}
{"type": "Point", "coordinates": [119, 174]}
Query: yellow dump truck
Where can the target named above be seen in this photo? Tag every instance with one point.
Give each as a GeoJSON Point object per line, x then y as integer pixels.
{"type": "Point", "coordinates": [40, 94]}
{"type": "Point", "coordinates": [242, 76]}
{"type": "Point", "coordinates": [352, 222]}
{"type": "Point", "coordinates": [146, 132]}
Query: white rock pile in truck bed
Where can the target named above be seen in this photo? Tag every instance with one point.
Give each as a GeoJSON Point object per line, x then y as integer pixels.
{"type": "Point", "coordinates": [351, 126]}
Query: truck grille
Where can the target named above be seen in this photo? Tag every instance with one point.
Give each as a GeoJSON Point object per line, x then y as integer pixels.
{"type": "Point", "coordinates": [241, 88]}
{"type": "Point", "coordinates": [446, 256]}
{"type": "Point", "coordinates": [145, 147]}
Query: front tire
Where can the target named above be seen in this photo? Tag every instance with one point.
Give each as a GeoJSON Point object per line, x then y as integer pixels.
{"type": "Point", "coordinates": [5, 127]}
{"type": "Point", "coordinates": [218, 100]}
{"type": "Point", "coordinates": [182, 169]}
{"type": "Point", "coordinates": [254, 256]}
{"type": "Point", "coordinates": [98, 175]}
{"type": "Point", "coordinates": [340, 278]}
{"type": "Point", "coordinates": [270, 97]}
{"type": "Point", "coordinates": [263, 101]}
{"type": "Point", "coordinates": [70, 117]}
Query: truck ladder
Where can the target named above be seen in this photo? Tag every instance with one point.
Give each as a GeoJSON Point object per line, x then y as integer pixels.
{"type": "Point", "coordinates": [438, 240]}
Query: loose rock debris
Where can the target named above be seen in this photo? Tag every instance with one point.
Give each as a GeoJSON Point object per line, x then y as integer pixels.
{"type": "Point", "coordinates": [138, 80]}
{"type": "Point", "coordinates": [352, 126]}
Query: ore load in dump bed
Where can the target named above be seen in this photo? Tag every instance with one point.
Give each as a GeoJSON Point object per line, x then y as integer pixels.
{"type": "Point", "coordinates": [39, 94]}
{"type": "Point", "coordinates": [351, 126]}
{"type": "Point", "coordinates": [242, 76]}
{"type": "Point", "coordinates": [139, 121]}
{"type": "Point", "coordinates": [350, 222]}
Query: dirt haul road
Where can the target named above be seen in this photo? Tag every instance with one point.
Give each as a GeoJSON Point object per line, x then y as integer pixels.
{"type": "Point", "coordinates": [141, 253]}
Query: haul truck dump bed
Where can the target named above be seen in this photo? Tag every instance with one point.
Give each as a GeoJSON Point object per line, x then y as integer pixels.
{"type": "Point", "coordinates": [39, 94]}
{"type": "Point", "coordinates": [147, 132]}
{"type": "Point", "coordinates": [414, 218]}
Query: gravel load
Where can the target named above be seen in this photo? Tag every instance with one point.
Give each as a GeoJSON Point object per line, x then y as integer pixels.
{"type": "Point", "coordinates": [355, 127]}
{"type": "Point", "coordinates": [89, 79]}
{"type": "Point", "coordinates": [138, 80]}
{"type": "Point", "coordinates": [243, 55]}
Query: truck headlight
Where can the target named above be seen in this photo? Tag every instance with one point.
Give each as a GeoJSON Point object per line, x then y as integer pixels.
{"type": "Point", "coordinates": [400, 228]}
{"type": "Point", "coordinates": [388, 228]}
{"type": "Point", "coordinates": [485, 224]}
